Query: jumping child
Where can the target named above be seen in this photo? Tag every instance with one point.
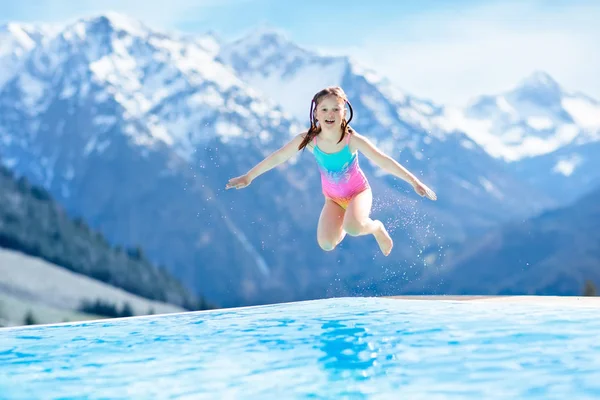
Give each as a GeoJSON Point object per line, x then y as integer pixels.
{"type": "Point", "coordinates": [335, 146]}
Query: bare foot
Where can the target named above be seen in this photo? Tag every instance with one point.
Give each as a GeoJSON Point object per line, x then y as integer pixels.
{"type": "Point", "coordinates": [384, 240]}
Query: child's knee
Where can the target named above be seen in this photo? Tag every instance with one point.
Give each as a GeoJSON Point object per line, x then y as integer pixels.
{"type": "Point", "coordinates": [353, 227]}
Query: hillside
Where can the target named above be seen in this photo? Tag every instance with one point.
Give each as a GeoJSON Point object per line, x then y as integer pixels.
{"type": "Point", "coordinates": [552, 254]}
{"type": "Point", "coordinates": [32, 223]}
{"type": "Point", "coordinates": [53, 294]}
{"type": "Point", "coordinates": [565, 174]}
{"type": "Point", "coordinates": [15, 312]}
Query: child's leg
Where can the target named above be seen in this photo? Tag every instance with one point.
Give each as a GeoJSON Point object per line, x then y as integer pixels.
{"type": "Point", "coordinates": [329, 231]}
{"type": "Point", "coordinates": [357, 221]}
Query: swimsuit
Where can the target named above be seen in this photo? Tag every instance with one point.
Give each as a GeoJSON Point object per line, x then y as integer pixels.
{"type": "Point", "coordinates": [341, 176]}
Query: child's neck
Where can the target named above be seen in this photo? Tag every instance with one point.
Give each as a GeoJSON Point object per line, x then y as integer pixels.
{"type": "Point", "coordinates": [331, 135]}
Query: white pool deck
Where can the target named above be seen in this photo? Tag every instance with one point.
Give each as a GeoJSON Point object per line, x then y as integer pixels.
{"type": "Point", "coordinates": [576, 301]}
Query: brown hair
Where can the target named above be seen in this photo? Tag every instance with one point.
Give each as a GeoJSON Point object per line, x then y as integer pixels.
{"type": "Point", "coordinates": [314, 129]}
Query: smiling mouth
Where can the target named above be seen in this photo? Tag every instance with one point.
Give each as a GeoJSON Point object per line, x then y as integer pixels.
{"type": "Point", "coordinates": [329, 121]}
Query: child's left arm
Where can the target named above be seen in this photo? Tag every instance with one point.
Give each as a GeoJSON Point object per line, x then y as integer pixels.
{"type": "Point", "coordinates": [390, 165]}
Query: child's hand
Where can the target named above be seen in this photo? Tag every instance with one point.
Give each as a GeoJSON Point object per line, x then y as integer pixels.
{"type": "Point", "coordinates": [239, 182]}
{"type": "Point", "coordinates": [423, 190]}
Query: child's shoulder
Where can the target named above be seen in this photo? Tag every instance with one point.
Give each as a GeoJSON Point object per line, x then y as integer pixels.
{"type": "Point", "coordinates": [302, 136]}
{"type": "Point", "coordinates": [352, 135]}
{"type": "Point", "coordinates": [355, 140]}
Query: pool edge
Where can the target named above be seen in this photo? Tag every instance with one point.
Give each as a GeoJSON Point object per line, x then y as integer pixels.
{"type": "Point", "coordinates": [589, 301]}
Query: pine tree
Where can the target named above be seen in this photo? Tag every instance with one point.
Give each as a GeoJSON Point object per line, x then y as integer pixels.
{"type": "Point", "coordinates": [2, 316]}
{"type": "Point", "coordinates": [589, 288]}
{"type": "Point", "coordinates": [127, 310]}
{"type": "Point", "coordinates": [29, 318]}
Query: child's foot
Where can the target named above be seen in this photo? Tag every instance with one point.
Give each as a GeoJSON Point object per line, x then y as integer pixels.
{"type": "Point", "coordinates": [384, 240]}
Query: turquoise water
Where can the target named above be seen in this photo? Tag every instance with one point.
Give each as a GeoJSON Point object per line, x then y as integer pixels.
{"type": "Point", "coordinates": [356, 348]}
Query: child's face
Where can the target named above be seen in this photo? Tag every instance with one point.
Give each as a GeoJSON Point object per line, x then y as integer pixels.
{"type": "Point", "coordinates": [330, 111]}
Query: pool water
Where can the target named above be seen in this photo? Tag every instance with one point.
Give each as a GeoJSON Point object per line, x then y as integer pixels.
{"type": "Point", "coordinates": [355, 348]}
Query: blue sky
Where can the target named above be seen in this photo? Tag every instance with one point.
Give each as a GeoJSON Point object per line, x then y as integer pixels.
{"type": "Point", "coordinates": [447, 51]}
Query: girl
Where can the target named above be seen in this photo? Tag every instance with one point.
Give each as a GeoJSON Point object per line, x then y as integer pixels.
{"type": "Point", "coordinates": [335, 146]}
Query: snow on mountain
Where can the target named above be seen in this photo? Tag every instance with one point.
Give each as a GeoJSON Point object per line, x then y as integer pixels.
{"type": "Point", "coordinates": [535, 118]}
{"type": "Point", "coordinates": [266, 57]}
{"type": "Point", "coordinates": [164, 89]}
{"type": "Point", "coordinates": [17, 40]}
{"type": "Point", "coordinates": [156, 76]}
{"type": "Point", "coordinates": [548, 136]}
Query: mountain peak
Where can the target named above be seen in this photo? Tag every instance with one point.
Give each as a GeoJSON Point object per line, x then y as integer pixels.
{"type": "Point", "coordinates": [113, 21]}
{"type": "Point", "coordinates": [266, 31]}
{"type": "Point", "coordinates": [539, 82]}
{"type": "Point", "coordinates": [266, 37]}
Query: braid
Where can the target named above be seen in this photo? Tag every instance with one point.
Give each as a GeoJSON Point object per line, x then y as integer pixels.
{"type": "Point", "coordinates": [314, 129]}
{"type": "Point", "coordinates": [346, 130]}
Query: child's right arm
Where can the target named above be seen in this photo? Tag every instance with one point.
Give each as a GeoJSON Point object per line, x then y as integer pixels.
{"type": "Point", "coordinates": [274, 159]}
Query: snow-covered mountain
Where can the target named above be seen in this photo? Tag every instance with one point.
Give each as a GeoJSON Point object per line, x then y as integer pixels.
{"type": "Point", "coordinates": [121, 123]}
{"type": "Point", "coordinates": [535, 118]}
{"type": "Point", "coordinates": [545, 133]}
{"type": "Point", "coordinates": [164, 87]}
{"type": "Point", "coordinates": [138, 131]}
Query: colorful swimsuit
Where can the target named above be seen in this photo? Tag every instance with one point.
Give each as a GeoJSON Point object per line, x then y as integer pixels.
{"type": "Point", "coordinates": [341, 176]}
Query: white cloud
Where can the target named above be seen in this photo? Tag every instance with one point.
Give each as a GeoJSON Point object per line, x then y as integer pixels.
{"type": "Point", "coordinates": [452, 56]}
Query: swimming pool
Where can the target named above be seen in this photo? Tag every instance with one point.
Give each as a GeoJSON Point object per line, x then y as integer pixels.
{"type": "Point", "coordinates": [371, 348]}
